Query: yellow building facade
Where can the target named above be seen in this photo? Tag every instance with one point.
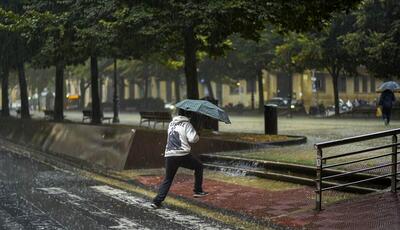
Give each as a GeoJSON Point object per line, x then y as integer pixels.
{"type": "Point", "coordinates": [310, 88]}
{"type": "Point", "coordinates": [361, 87]}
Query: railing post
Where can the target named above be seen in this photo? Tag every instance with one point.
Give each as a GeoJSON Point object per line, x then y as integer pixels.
{"type": "Point", "coordinates": [394, 163]}
{"type": "Point", "coordinates": [318, 197]}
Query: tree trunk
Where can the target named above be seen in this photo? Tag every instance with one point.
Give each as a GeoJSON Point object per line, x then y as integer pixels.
{"type": "Point", "coordinates": [40, 90]}
{"type": "Point", "coordinates": [210, 89]}
{"type": "Point", "coordinates": [334, 72]}
{"type": "Point", "coordinates": [177, 89]}
{"type": "Point", "coordinates": [260, 91]}
{"type": "Point", "coordinates": [23, 90]}
{"type": "Point", "coordinates": [146, 86]}
{"type": "Point", "coordinates": [101, 82]}
{"type": "Point", "coordinates": [219, 93]}
{"type": "Point", "coordinates": [115, 96]}
{"type": "Point", "coordinates": [59, 100]}
{"type": "Point", "coordinates": [5, 109]}
{"type": "Point", "coordinates": [192, 91]}
{"type": "Point", "coordinates": [121, 85]}
{"type": "Point", "coordinates": [252, 82]}
{"type": "Point", "coordinates": [96, 116]}
{"type": "Point", "coordinates": [290, 95]}
{"type": "Point", "coordinates": [168, 90]}
{"type": "Point", "coordinates": [132, 90]}
{"type": "Point", "coordinates": [335, 78]}
{"type": "Point", "coordinates": [82, 96]}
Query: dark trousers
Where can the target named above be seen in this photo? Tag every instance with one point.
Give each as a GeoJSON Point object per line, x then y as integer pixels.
{"type": "Point", "coordinates": [386, 112]}
{"type": "Point", "coordinates": [171, 167]}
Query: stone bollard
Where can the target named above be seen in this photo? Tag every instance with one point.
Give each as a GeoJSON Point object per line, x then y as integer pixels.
{"type": "Point", "coordinates": [271, 119]}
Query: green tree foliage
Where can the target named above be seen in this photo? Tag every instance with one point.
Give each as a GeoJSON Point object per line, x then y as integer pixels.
{"type": "Point", "coordinates": [187, 27]}
{"type": "Point", "coordinates": [327, 51]}
{"type": "Point", "coordinates": [60, 33]}
{"type": "Point", "coordinates": [292, 56]}
{"type": "Point", "coordinates": [58, 43]}
{"type": "Point", "coordinates": [252, 57]}
{"type": "Point", "coordinates": [376, 40]}
{"type": "Point", "coordinates": [19, 48]}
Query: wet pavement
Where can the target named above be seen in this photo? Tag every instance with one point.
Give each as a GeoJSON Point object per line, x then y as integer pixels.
{"type": "Point", "coordinates": [284, 205]}
{"type": "Point", "coordinates": [34, 195]}
{"type": "Point", "coordinates": [376, 211]}
{"type": "Point", "coordinates": [291, 206]}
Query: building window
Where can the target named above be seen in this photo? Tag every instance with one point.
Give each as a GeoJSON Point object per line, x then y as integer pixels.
{"type": "Point", "coordinates": [365, 84]}
{"type": "Point", "coordinates": [356, 84]}
{"type": "Point", "coordinates": [373, 89]}
{"type": "Point", "coordinates": [342, 84]}
{"type": "Point", "coordinates": [320, 84]}
{"type": "Point", "coordinates": [251, 86]}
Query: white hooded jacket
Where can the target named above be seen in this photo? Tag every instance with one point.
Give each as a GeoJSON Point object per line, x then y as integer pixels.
{"type": "Point", "coordinates": [180, 134]}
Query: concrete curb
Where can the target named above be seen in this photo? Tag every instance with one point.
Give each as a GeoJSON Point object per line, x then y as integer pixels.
{"type": "Point", "coordinates": [297, 141]}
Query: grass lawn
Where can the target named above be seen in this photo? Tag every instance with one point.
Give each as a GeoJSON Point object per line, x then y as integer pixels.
{"type": "Point", "coordinates": [306, 155]}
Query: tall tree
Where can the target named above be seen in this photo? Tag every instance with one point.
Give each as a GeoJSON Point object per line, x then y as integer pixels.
{"type": "Point", "coordinates": [12, 24]}
{"type": "Point", "coordinates": [93, 40]}
{"type": "Point", "coordinates": [252, 57]}
{"type": "Point", "coordinates": [375, 42]}
{"type": "Point", "coordinates": [333, 53]}
{"type": "Point", "coordinates": [191, 26]}
{"type": "Point", "coordinates": [296, 54]}
{"type": "Point", "coordinates": [5, 52]}
{"type": "Point", "coordinates": [58, 46]}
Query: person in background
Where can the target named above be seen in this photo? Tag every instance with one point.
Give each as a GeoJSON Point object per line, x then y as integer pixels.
{"type": "Point", "coordinates": [177, 154]}
{"type": "Point", "coordinates": [386, 101]}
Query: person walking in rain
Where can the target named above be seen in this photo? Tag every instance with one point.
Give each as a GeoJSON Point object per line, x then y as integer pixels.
{"type": "Point", "coordinates": [177, 154]}
{"type": "Point", "coordinates": [386, 101]}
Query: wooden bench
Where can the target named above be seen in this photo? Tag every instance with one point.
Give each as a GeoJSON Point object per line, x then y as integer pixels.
{"type": "Point", "coordinates": [156, 117]}
{"type": "Point", "coordinates": [87, 115]}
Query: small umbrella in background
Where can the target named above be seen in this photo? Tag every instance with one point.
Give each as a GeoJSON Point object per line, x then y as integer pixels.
{"type": "Point", "coordinates": [389, 85]}
{"type": "Point", "coordinates": [204, 107]}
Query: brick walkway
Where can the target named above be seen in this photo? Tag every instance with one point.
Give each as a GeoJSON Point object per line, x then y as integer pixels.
{"type": "Point", "coordinates": [377, 211]}
{"type": "Point", "coordinates": [294, 207]}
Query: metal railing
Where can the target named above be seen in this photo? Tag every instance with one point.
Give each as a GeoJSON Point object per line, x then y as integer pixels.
{"type": "Point", "coordinates": [322, 161]}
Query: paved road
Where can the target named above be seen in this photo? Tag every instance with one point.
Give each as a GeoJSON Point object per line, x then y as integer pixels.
{"type": "Point", "coordinates": [34, 195]}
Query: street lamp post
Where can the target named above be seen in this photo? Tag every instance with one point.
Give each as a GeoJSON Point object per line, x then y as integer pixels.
{"type": "Point", "coordinates": [115, 97]}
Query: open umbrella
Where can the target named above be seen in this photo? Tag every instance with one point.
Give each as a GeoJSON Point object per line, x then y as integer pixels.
{"type": "Point", "coordinates": [389, 85]}
{"type": "Point", "coordinates": [204, 107]}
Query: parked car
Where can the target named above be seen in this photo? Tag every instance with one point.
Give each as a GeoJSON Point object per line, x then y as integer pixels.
{"type": "Point", "coordinates": [282, 102]}
{"type": "Point", "coordinates": [278, 101]}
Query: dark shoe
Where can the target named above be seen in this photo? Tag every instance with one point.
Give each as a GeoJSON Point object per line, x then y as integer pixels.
{"type": "Point", "coordinates": [200, 194]}
{"type": "Point", "coordinates": [155, 206]}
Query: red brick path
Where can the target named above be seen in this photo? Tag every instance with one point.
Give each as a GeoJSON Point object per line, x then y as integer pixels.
{"type": "Point", "coordinates": [293, 207]}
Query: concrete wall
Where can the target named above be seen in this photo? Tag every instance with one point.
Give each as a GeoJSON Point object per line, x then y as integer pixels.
{"type": "Point", "coordinates": [148, 147]}
{"type": "Point", "coordinates": [110, 146]}
{"type": "Point", "coordinates": [106, 146]}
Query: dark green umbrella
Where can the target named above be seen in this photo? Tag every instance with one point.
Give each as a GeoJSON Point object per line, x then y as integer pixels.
{"type": "Point", "coordinates": [204, 107]}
